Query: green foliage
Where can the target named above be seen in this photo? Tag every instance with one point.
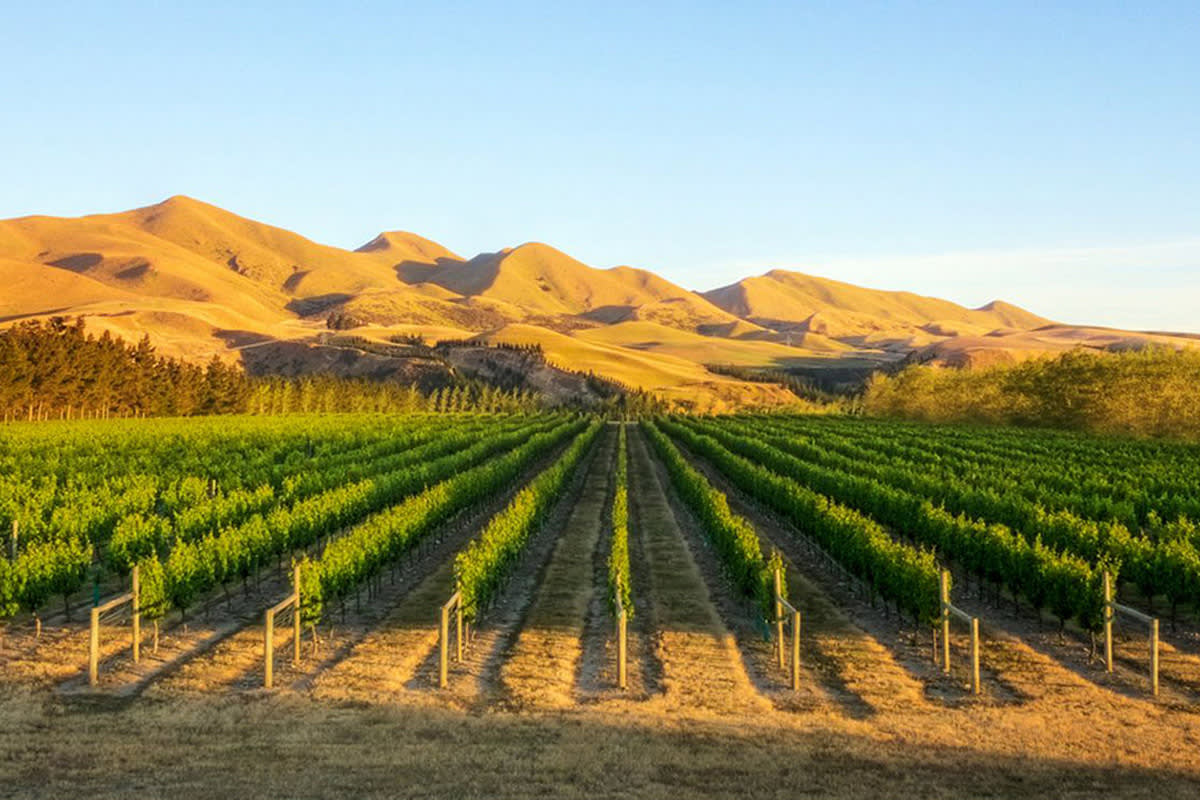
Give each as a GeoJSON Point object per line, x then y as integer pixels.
{"type": "Point", "coordinates": [1047, 576]}
{"type": "Point", "coordinates": [55, 369]}
{"type": "Point", "coordinates": [378, 540]}
{"type": "Point", "coordinates": [481, 568]}
{"type": "Point", "coordinates": [10, 590]}
{"type": "Point", "coordinates": [45, 569]}
{"type": "Point", "coordinates": [124, 489]}
{"type": "Point", "coordinates": [152, 594]}
{"type": "Point", "coordinates": [1151, 392]}
{"type": "Point", "coordinates": [136, 537]}
{"type": "Point", "coordinates": [899, 572]}
{"type": "Point", "coordinates": [619, 588]}
{"type": "Point", "coordinates": [1013, 491]}
{"type": "Point", "coordinates": [733, 537]}
{"type": "Point", "coordinates": [193, 567]}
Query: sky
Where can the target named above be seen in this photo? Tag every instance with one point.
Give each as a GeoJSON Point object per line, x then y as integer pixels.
{"type": "Point", "coordinates": [1047, 153]}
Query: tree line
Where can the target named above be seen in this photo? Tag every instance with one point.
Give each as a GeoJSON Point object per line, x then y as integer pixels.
{"type": "Point", "coordinates": [56, 370]}
{"type": "Point", "coordinates": [1151, 392]}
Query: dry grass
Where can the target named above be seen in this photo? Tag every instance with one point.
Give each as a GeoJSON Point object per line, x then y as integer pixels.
{"type": "Point", "coordinates": [295, 746]}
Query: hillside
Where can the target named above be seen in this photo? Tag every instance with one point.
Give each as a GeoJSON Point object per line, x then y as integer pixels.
{"type": "Point", "coordinates": [203, 281]}
{"type": "Point", "coordinates": [793, 301]}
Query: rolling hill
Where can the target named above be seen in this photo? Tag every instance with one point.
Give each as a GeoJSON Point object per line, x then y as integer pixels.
{"type": "Point", "coordinates": [202, 281]}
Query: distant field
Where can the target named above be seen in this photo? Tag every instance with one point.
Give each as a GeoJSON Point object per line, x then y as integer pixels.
{"type": "Point", "coordinates": [539, 530]}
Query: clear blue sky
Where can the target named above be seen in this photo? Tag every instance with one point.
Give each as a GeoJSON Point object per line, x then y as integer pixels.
{"type": "Point", "coordinates": [970, 150]}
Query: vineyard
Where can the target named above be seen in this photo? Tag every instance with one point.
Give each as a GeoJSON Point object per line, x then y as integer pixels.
{"type": "Point", "coordinates": [564, 563]}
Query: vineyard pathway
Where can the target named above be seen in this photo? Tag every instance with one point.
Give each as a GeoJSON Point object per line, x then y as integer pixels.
{"type": "Point", "coordinates": [541, 666]}
{"type": "Point", "coordinates": [597, 677]}
{"type": "Point", "coordinates": [701, 665]}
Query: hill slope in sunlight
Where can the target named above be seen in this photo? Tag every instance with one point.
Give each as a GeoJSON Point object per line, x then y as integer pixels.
{"type": "Point", "coordinates": [203, 281]}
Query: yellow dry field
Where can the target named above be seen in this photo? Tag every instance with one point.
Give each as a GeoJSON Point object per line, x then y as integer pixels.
{"type": "Point", "coordinates": [652, 337]}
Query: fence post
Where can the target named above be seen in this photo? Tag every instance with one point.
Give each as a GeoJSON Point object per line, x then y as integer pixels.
{"type": "Point", "coordinates": [269, 649]}
{"type": "Point", "coordinates": [458, 634]}
{"type": "Point", "coordinates": [137, 616]}
{"type": "Point", "coordinates": [1108, 622]}
{"type": "Point", "coordinates": [622, 663]}
{"type": "Point", "coordinates": [945, 589]}
{"type": "Point", "coordinates": [94, 649]}
{"type": "Point", "coordinates": [443, 647]}
{"type": "Point", "coordinates": [795, 650]}
{"type": "Point", "coordinates": [1154, 656]}
{"type": "Point", "coordinates": [975, 655]}
{"type": "Point", "coordinates": [779, 616]}
{"type": "Point", "coordinates": [296, 618]}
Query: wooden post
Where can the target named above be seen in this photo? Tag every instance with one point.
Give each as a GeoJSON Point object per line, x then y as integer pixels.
{"type": "Point", "coordinates": [1108, 622]}
{"type": "Point", "coordinates": [269, 649]}
{"type": "Point", "coordinates": [296, 617]}
{"type": "Point", "coordinates": [443, 647]}
{"type": "Point", "coordinates": [622, 619]}
{"type": "Point", "coordinates": [137, 617]}
{"type": "Point", "coordinates": [779, 616]}
{"type": "Point", "coordinates": [975, 655]}
{"type": "Point", "coordinates": [94, 649]}
{"type": "Point", "coordinates": [795, 650]}
{"type": "Point", "coordinates": [1154, 656]}
{"type": "Point", "coordinates": [13, 539]}
{"type": "Point", "coordinates": [458, 635]}
{"type": "Point", "coordinates": [945, 588]}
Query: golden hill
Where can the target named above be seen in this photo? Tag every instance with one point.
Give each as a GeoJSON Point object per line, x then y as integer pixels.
{"type": "Point", "coordinates": [539, 280]}
{"type": "Point", "coordinates": [200, 280]}
{"type": "Point", "coordinates": [791, 300]}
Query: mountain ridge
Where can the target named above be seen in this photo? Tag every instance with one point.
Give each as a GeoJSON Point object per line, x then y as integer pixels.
{"type": "Point", "coordinates": [204, 281]}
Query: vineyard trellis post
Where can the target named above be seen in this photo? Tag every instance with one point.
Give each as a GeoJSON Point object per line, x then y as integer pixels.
{"type": "Point", "coordinates": [136, 621]}
{"type": "Point", "coordinates": [292, 602]}
{"type": "Point", "coordinates": [13, 540]}
{"type": "Point", "coordinates": [781, 604]}
{"type": "Point", "coordinates": [131, 597]}
{"type": "Point", "coordinates": [779, 617]}
{"type": "Point", "coordinates": [1111, 607]}
{"type": "Point", "coordinates": [455, 604]}
{"type": "Point", "coordinates": [948, 610]}
{"type": "Point", "coordinates": [622, 659]}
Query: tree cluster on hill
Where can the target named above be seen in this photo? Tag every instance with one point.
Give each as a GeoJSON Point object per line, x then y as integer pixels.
{"type": "Point", "coordinates": [815, 399]}
{"type": "Point", "coordinates": [324, 393]}
{"type": "Point", "coordinates": [1151, 392]}
{"type": "Point", "coordinates": [55, 370]}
